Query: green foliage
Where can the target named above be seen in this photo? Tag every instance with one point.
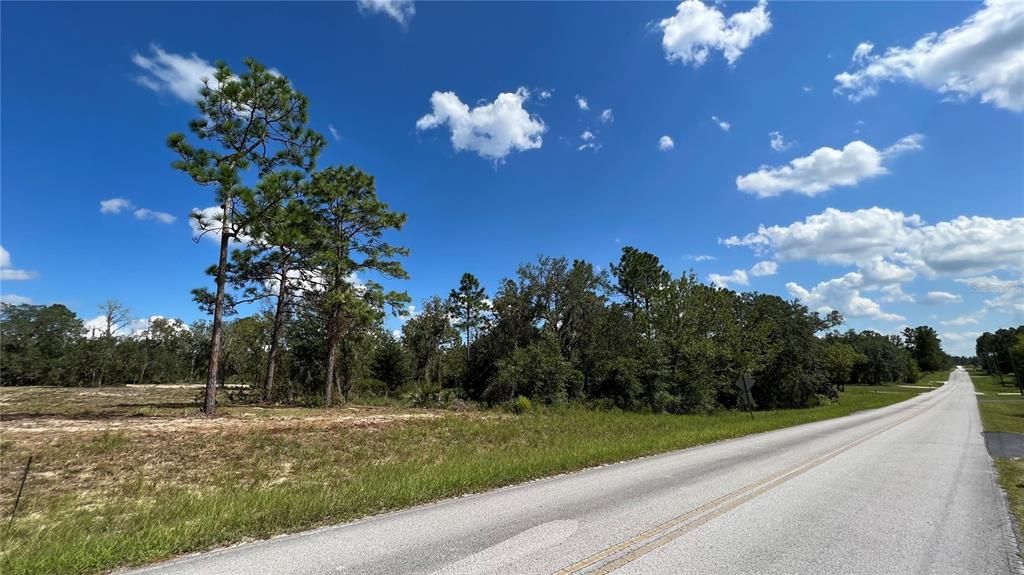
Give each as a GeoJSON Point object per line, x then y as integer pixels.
{"type": "Point", "coordinates": [522, 404]}
{"type": "Point", "coordinates": [390, 363]}
{"type": "Point", "coordinates": [35, 341]}
{"type": "Point", "coordinates": [925, 348]}
{"type": "Point", "coordinates": [537, 371]}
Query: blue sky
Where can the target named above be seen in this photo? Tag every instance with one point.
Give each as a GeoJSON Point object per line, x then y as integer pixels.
{"type": "Point", "coordinates": [894, 190]}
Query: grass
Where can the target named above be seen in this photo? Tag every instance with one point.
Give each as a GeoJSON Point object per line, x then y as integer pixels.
{"type": "Point", "coordinates": [1004, 413]}
{"type": "Point", "coordinates": [111, 487]}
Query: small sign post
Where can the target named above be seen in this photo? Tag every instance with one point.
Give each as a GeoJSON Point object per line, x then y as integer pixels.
{"type": "Point", "coordinates": [745, 382]}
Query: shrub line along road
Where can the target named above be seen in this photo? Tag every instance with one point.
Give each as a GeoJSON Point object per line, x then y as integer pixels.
{"type": "Point", "coordinates": [908, 488]}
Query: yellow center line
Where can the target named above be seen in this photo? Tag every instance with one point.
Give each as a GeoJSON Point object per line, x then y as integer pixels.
{"type": "Point", "coordinates": [665, 533]}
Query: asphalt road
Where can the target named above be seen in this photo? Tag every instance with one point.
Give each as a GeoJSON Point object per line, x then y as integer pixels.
{"type": "Point", "coordinates": [904, 489]}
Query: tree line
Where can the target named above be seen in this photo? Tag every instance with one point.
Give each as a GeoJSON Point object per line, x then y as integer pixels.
{"type": "Point", "coordinates": [306, 246]}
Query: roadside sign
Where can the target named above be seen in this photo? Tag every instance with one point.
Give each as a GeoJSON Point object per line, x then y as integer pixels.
{"type": "Point", "coordinates": [745, 383]}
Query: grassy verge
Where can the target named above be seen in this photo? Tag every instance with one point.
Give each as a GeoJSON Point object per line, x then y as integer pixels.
{"type": "Point", "coordinates": [1004, 413]}
{"type": "Point", "coordinates": [108, 490]}
{"type": "Point", "coordinates": [933, 378]}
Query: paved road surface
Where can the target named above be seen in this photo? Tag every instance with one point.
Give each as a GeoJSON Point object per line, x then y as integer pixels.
{"type": "Point", "coordinates": [905, 489]}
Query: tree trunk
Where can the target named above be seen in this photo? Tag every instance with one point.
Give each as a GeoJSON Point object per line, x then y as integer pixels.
{"type": "Point", "coordinates": [333, 333]}
{"type": "Point", "coordinates": [275, 335]}
{"type": "Point", "coordinates": [210, 401]}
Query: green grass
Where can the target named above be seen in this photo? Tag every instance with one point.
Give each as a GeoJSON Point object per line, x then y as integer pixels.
{"type": "Point", "coordinates": [933, 378]}
{"type": "Point", "coordinates": [1011, 477]}
{"type": "Point", "coordinates": [1004, 413]}
{"type": "Point", "coordinates": [157, 487]}
{"type": "Point", "coordinates": [990, 386]}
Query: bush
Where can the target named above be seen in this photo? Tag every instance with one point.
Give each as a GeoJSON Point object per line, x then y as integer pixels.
{"type": "Point", "coordinates": [521, 405]}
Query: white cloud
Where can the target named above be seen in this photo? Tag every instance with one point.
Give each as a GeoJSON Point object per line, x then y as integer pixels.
{"type": "Point", "coordinates": [665, 143]}
{"type": "Point", "coordinates": [607, 116]}
{"type": "Point", "coordinates": [492, 130]}
{"type": "Point", "coordinates": [696, 29]}
{"type": "Point", "coordinates": [765, 268]}
{"type": "Point", "coordinates": [825, 169]}
{"type": "Point", "coordinates": [894, 293]}
{"type": "Point", "coordinates": [721, 123]}
{"type": "Point", "coordinates": [545, 94]}
{"type": "Point", "coordinates": [12, 299]}
{"type": "Point", "coordinates": [961, 247]}
{"type": "Point", "coordinates": [807, 89]}
{"type": "Point", "coordinates": [8, 273]}
{"type": "Point", "coordinates": [842, 294]}
{"type": "Point", "coordinates": [118, 205]}
{"type": "Point", "coordinates": [114, 205]}
{"type": "Point", "coordinates": [582, 102]}
{"type": "Point", "coordinates": [334, 132]}
{"type": "Point", "coordinates": [982, 57]}
{"type": "Point", "coordinates": [705, 258]}
{"type": "Point", "coordinates": [778, 142]}
{"type": "Point", "coordinates": [862, 51]}
{"type": "Point", "coordinates": [147, 214]}
{"type": "Point", "coordinates": [400, 11]}
{"type": "Point", "coordinates": [940, 297]}
{"type": "Point", "coordinates": [589, 141]}
{"type": "Point", "coordinates": [208, 222]}
{"type": "Point", "coordinates": [962, 320]}
{"type": "Point", "coordinates": [992, 284]}
{"type": "Point", "coordinates": [179, 75]}
{"type": "Point", "coordinates": [736, 277]}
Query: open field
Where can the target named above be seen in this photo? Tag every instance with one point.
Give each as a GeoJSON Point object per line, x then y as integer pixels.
{"type": "Point", "coordinates": [123, 476]}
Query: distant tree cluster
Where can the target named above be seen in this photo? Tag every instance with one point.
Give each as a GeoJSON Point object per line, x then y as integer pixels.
{"type": "Point", "coordinates": [49, 345]}
{"type": "Point", "coordinates": [1002, 352]}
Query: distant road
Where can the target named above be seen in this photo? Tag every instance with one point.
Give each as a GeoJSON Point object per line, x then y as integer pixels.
{"type": "Point", "coordinates": [904, 489]}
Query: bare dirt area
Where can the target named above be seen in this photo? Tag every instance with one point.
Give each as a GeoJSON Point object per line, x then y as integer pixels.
{"type": "Point", "coordinates": [95, 445]}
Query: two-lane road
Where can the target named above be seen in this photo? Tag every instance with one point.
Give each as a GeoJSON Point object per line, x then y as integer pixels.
{"type": "Point", "coordinates": [904, 489]}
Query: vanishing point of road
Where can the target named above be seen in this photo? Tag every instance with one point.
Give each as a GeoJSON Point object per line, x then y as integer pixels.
{"type": "Point", "coordinates": [908, 488]}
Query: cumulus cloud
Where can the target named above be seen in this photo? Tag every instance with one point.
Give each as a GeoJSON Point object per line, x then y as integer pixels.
{"type": "Point", "coordinates": [181, 76]}
{"type": "Point", "coordinates": [607, 117]}
{"type": "Point", "coordinates": [492, 130]}
{"type": "Point", "coordinates": [741, 277]}
{"type": "Point", "coordinates": [400, 11]}
{"type": "Point", "coordinates": [334, 132]}
{"type": "Point", "coordinates": [825, 169]}
{"type": "Point", "coordinates": [721, 123]}
{"type": "Point", "coordinates": [778, 142]}
{"type": "Point", "coordinates": [118, 205]}
{"type": "Point", "coordinates": [992, 284]}
{"type": "Point", "coordinates": [891, 242]}
{"type": "Point", "coordinates": [738, 277]}
{"type": "Point", "coordinates": [894, 293]}
{"type": "Point", "coordinates": [589, 141]}
{"type": "Point", "coordinates": [962, 320]}
{"type": "Point", "coordinates": [940, 297]}
{"type": "Point", "coordinates": [842, 294]}
{"type": "Point", "coordinates": [208, 222]}
{"type": "Point", "coordinates": [13, 299]}
{"type": "Point", "coordinates": [705, 258]}
{"type": "Point", "coordinates": [147, 214]}
{"type": "Point", "coordinates": [696, 29]}
{"type": "Point", "coordinates": [981, 58]}
{"type": "Point", "coordinates": [545, 94]}
{"type": "Point", "coordinates": [9, 273]}
{"type": "Point", "coordinates": [765, 268]}
{"type": "Point", "coordinates": [582, 102]}
{"type": "Point", "coordinates": [862, 51]}
{"type": "Point", "coordinates": [665, 143]}
{"type": "Point", "coordinates": [114, 205]}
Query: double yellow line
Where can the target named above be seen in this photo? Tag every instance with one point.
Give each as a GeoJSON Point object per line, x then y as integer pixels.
{"type": "Point", "coordinates": [616, 556]}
